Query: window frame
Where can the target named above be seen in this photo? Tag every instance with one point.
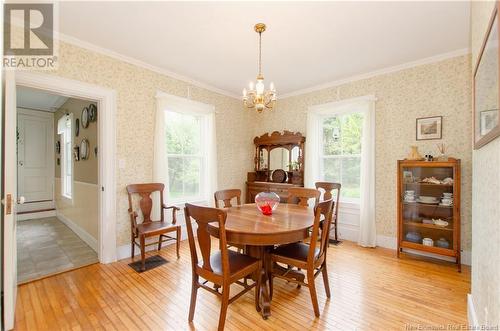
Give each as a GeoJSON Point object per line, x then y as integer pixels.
{"type": "Point", "coordinates": [66, 157]}
{"type": "Point", "coordinates": [337, 112]}
{"type": "Point", "coordinates": [202, 155]}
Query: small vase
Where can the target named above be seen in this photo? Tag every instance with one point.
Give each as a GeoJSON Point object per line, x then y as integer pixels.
{"type": "Point", "coordinates": [414, 154]}
{"type": "Point", "coordinates": [266, 202]}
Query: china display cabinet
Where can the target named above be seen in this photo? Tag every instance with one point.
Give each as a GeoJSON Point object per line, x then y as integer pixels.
{"type": "Point", "coordinates": [429, 207]}
{"type": "Point", "coordinates": [278, 164]}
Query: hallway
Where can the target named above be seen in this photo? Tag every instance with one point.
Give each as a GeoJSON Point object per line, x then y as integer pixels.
{"type": "Point", "coordinates": [47, 246]}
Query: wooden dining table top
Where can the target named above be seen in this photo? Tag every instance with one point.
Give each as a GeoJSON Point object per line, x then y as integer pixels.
{"type": "Point", "coordinates": [289, 223]}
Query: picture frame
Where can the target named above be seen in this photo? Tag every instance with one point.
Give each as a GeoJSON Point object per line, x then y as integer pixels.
{"type": "Point", "coordinates": [92, 112]}
{"type": "Point", "coordinates": [429, 128]}
{"type": "Point", "coordinates": [485, 82]}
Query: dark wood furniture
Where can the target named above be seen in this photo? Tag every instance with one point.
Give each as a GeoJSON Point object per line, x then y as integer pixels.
{"type": "Point", "coordinates": [246, 225]}
{"type": "Point", "coordinates": [302, 195]}
{"type": "Point", "coordinates": [415, 218]}
{"type": "Point", "coordinates": [223, 267]}
{"type": "Point", "coordinates": [226, 196]}
{"type": "Point", "coordinates": [148, 227]}
{"type": "Point", "coordinates": [276, 151]}
{"type": "Point", "coordinates": [307, 257]}
{"type": "Point", "coordinates": [328, 189]}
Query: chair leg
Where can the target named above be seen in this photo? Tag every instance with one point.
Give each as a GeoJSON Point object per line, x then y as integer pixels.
{"type": "Point", "coordinates": [159, 242]}
{"type": "Point", "coordinates": [132, 248]}
{"type": "Point", "coordinates": [178, 241]}
{"type": "Point", "coordinates": [312, 291]}
{"type": "Point", "coordinates": [194, 292]}
{"type": "Point", "coordinates": [224, 305]}
{"type": "Point", "coordinates": [143, 253]}
{"type": "Point", "coordinates": [325, 279]}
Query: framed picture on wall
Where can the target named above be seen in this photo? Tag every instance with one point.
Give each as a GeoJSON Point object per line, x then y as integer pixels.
{"type": "Point", "coordinates": [486, 80]}
{"type": "Point", "coordinates": [430, 128]}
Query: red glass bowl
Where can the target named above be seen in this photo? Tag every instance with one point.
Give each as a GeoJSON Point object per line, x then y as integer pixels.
{"type": "Point", "coordinates": [267, 202]}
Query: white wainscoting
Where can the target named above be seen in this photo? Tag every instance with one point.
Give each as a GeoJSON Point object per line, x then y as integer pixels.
{"type": "Point", "coordinates": [471, 314]}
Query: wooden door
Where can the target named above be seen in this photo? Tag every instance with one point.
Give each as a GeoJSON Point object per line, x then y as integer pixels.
{"type": "Point", "coordinates": [35, 166]}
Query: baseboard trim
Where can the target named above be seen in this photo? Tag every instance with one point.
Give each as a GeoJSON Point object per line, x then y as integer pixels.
{"type": "Point", "coordinates": [84, 235]}
{"type": "Point", "coordinates": [471, 313]}
{"type": "Point", "coordinates": [36, 215]}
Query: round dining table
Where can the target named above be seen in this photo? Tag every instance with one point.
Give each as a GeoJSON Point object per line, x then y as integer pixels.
{"type": "Point", "coordinates": [246, 225]}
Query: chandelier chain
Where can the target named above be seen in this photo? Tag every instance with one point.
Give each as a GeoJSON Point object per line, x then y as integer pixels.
{"type": "Point", "coordinates": [260, 53]}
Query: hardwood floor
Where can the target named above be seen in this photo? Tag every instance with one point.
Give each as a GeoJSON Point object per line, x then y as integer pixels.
{"type": "Point", "coordinates": [371, 290]}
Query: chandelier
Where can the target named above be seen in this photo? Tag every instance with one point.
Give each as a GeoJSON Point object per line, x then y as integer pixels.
{"type": "Point", "coordinates": [258, 97]}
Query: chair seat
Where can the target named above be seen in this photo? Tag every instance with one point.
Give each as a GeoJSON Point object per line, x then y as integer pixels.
{"type": "Point", "coordinates": [154, 227]}
{"type": "Point", "coordinates": [296, 251]}
{"type": "Point", "coordinates": [237, 262]}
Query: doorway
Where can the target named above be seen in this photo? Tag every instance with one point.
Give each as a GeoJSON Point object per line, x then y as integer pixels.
{"type": "Point", "coordinates": [57, 177]}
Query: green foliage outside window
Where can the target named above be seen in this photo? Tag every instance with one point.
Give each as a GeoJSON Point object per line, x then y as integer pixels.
{"type": "Point", "coordinates": [341, 159]}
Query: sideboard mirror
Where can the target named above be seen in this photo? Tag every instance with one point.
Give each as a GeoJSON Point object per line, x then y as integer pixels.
{"type": "Point", "coordinates": [279, 151]}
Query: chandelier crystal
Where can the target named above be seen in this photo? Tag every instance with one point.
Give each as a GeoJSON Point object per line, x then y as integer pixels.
{"type": "Point", "coordinates": [257, 97]}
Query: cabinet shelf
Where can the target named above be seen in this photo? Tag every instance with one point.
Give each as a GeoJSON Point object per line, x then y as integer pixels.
{"type": "Point", "coordinates": [429, 184]}
{"type": "Point", "coordinates": [418, 204]}
{"type": "Point", "coordinates": [428, 226]}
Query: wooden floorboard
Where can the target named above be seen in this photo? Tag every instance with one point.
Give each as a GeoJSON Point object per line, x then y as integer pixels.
{"type": "Point", "coordinates": [371, 290]}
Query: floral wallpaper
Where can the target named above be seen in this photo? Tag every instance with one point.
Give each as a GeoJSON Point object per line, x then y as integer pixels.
{"type": "Point", "coordinates": [436, 89]}
{"type": "Point", "coordinates": [485, 201]}
{"type": "Point", "coordinates": [136, 88]}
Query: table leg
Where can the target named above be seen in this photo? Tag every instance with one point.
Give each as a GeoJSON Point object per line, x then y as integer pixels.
{"type": "Point", "coordinates": [261, 252]}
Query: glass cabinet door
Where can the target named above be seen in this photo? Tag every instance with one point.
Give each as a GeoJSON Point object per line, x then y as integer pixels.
{"type": "Point", "coordinates": [427, 200]}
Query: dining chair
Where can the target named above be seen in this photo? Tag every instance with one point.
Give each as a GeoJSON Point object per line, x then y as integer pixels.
{"type": "Point", "coordinates": [307, 257]}
{"type": "Point", "coordinates": [226, 196]}
{"type": "Point", "coordinates": [223, 267]}
{"type": "Point", "coordinates": [148, 227]}
{"type": "Point", "coordinates": [301, 196]}
{"type": "Point", "coordinates": [329, 190]}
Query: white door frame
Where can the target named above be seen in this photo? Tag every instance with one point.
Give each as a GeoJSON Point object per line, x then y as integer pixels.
{"type": "Point", "coordinates": [106, 99]}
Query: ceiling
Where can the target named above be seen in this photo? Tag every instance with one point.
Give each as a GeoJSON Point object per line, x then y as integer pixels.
{"type": "Point", "coordinates": [39, 100]}
{"type": "Point", "coordinates": [306, 43]}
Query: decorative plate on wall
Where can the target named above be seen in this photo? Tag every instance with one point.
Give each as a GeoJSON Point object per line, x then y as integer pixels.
{"type": "Point", "coordinates": [84, 149]}
{"type": "Point", "coordinates": [85, 118]}
{"type": "Point", "coordinates": [92, 112]}
{"type": "Point", "coordinates": [77, 127]}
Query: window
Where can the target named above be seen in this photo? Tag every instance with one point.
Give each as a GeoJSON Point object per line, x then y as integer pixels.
{"type": "Point", "coordinates": [185, 156]}
{"type": "Point", "coordinates": [340, 153]}
{"type": "Point", "coordinates": [65, 134]}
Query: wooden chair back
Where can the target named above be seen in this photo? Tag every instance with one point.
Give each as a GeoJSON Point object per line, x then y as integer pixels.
{"type": "Point", "coordinates": [322, 210]}
{"type": "Point", "coordinates": [203, 216]}
{"type": "Point", "coordinates": [146, 203]}
{"type": "Point", "coordinates": [301, 195]}
{"type": "Point", "coordinates": [329, 189]}
{"type": "Point", "coordinates": [226, 196]}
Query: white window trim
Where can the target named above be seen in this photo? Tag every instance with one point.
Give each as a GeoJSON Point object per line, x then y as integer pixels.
{"type": "Point", "coordinates": [320, 112]}
{"type": "Point", "coordinates": [63, 131]}
{"type": "Point", "coordinates": [167, 102]}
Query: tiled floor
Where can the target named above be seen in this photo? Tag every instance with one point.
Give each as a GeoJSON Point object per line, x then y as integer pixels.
{"type": "Point", "coordinates": [46, 246]}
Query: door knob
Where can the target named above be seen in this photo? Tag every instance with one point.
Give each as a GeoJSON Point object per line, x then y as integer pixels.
{"type": "Point", "coordinates": [21, 200]}
{"type": "Point", "coordinates": [21, 163]}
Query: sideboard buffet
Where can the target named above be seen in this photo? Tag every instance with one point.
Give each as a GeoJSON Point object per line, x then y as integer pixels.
{"type": "Point", "coordinates": [278, 164]}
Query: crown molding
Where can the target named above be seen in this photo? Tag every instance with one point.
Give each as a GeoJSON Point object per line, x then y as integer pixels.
{"type": "Point", "coordinates": [408, 65]}
{"type": "Point", "coordinates": [104, 51]}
